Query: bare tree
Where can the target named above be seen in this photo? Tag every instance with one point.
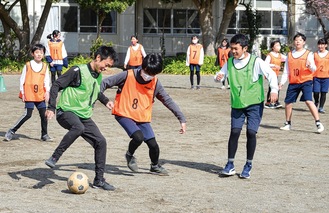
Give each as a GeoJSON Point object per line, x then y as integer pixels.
{"type": "Point", "coordinates": [320, 9]}
{"type": "Point", "coordinates": [23, 32]}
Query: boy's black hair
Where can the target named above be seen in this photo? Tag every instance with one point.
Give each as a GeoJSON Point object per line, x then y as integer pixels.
{"type": "Point", "coordinates": [240, 39]}
{"type": "Point", "coordinates": [106, 52]}
{"type": "Point", "coordinates": [322, 41]}
{"type": "Point", "coordinates": [38, 47]}
{"type": "Point", "coordinates": [274, 42]}
{"type": "Point", "coordinates": [300, 35]}
{"type": "Point", "coordinates": [152, 64]}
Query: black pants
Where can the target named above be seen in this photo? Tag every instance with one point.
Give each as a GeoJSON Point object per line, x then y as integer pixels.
{"type": "Point", "coordinates": [27, 115]}
{"type": "Point", "coordinates": [87, 129]}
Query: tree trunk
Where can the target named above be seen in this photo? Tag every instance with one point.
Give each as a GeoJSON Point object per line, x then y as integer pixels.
{"type": "Point", "coordinates": [24, 38]}
{"type": "Point", "coordinates": [227, 15]}
{"type": "Point", "coordinates": [101, 17]}
{"type": "Point", "coordinates": [42, 22]}
{"type": "Point", "coordinates": [207, 23]}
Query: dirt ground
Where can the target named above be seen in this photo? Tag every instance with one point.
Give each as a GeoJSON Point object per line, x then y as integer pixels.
{"type": "Point", "coordinates": [290, 170]}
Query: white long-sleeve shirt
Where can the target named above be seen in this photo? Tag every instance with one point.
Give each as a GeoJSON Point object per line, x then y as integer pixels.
{"type": "Point", "coordinates": [134, 48]}
{"type": "Point", "coordinates": [297, 54]}
{"type": "Point", "coordinates": [37, 67]}
{"type": "Point", "coordinates": [260, 68]}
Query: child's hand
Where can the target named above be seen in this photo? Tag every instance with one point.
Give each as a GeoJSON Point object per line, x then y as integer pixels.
{"type": "Point", "coordinates": [49, 114]}
{"type": "Point", "coordinates": [110, 105]}
{"type": "Point", "coordinates": [218, 76]}
{"type": "Point", "coordinates": [46, 96]}
{"type": "Point", "coordinates": [183, 128]}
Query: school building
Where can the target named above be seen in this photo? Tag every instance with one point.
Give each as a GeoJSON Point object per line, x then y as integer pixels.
{"type": "Point", "coordinates": [149, 19]}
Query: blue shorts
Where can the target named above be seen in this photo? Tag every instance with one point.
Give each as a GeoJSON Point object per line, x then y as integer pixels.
{"type": "Point", "coordinates": [294, 90]}
{"type": "Point", "coordinates": [132, 126]}
{"type": "Point", "coordinates": [320, 84]}
{"type": "Point", "coordinates": [38, 105]}
{"type": "Point", "coordinates": [196, 66]}
{"type": "Point", "coordinates": [56, 67]}
{"type": "Point", "coordinates": [252, 114]}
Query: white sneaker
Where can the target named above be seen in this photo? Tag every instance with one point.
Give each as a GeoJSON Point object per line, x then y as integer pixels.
{"type": "Point", "coordinates": [223, 87]}
{"type": "Point", "coordinates": [286, 127]}
{"type": "Point", "coordinates": [319, 126]}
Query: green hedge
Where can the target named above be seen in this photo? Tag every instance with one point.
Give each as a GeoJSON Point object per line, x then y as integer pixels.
{"type": "Point", "coordinates": [177, 65]}
{"type": "Point", "coordinates": [172, 65]}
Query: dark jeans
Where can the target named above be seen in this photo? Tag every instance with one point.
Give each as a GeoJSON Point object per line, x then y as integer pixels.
{"type": "Point", "coordinates": [87, 129]}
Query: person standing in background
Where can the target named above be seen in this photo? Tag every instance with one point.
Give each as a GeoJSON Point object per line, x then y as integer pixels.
{"type": "Point", "coordinates": [135, 54]}
{"type": "Point", "coordinates": [321, 75]}
{"type": "Point", "coordinates": [194, 60]}
{"type": "Point", "coordinates": [56, 54]}
{"type": "Point", "coordinates": [274, 58]}
{"type": "Point", "coordinates": [223, 53]}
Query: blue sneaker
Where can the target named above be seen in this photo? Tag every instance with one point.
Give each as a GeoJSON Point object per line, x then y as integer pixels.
{"type": "Point", "coordinates": [246, 171]}
{"type": "Point", "coordinates": [229, 169]}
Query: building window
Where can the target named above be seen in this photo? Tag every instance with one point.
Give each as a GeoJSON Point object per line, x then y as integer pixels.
{"type": "Point", "coordinates": [88, 22]}
{"type": "Point", "coordinates": [182, 21]}
{"type": "Point", "coordinates": [69, 19]}
{"type": "Point", "coordinates": [273, 18]}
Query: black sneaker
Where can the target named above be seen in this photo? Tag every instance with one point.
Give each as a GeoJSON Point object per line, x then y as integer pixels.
{"type": "Point", "coordinates": [51, 162]}
{"type": "Point", "coordinates": [46, 138]}
{"type": "Point", "coordinates": [104, 185]}
{"type": "Point", "coordinates": [131, 163]}
{"type": "Point", "coordinates": [158, 169]}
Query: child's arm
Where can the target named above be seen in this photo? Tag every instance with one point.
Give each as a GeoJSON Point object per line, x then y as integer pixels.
{"type": "Point", "coordinates": [47, 85]}
{"type": "Point", "coordinates": [310, 62]}
{"type": "Point", "coordinates": [201, 56]}
{"type": "Point", "coordinates": [188, 56]}
{"type": "Point", "coordinates": [166, 100]}
{"type": "Point", "coordinates": [22, 82]}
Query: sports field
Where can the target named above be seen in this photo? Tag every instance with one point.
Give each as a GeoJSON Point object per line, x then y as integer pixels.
{"type": "Point", "coordinates": [290, 169]}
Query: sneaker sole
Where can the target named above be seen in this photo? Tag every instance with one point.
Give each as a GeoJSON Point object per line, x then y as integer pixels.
{"type": "Point", "coordinates": [228, 173]}
{"type": "Point", "coordinates": [99, 187]}
{"type": "Point", "coordinates": [132, 168]}
{"type": "Point", "coordinates": [244, 177]}
{"type": "Point", "coordinates": [49, 164]}
{"type": "Point", "coordinates": [159, 174]}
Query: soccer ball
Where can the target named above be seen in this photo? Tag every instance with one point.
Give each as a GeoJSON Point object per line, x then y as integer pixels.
{"type": "Point", "coordinates": [78, 183]}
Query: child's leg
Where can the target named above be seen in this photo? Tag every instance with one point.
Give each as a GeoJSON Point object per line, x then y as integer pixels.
{"type": "Point", "coordinates": [53, 76]}
{"type": "Point", "coordinates": [316, 96]}
{"type": "Point", "coordinates": [251, 144]}
{"type": "Point", "coordinates": [323, 99]}
{"type": "Point", "coordinates": [191, 75]}
{"type": "Point", "coordinates": [59, 73]}
{"type": "Point", "coordinates": [233, 142]}
{"type": "Point", "coordinates": [198, 76]}
{"type": "Point", "coordinates": [137, 139]}
{"type": "Point", "coordinates": [154, 150]}
{"type": "Point", "coordinates": [314, 111]}
{"type": "Point", "coordinates": [26, 116]}
{"type": "Point", "coordinates": [268, 95]}
{"type": "Point", "coordinates": [44, 121]}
